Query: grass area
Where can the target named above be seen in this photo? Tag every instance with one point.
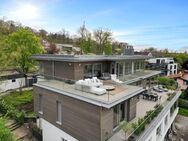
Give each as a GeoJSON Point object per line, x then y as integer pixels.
{"type": "Point", "coordinates": [16, 99]}
{"type": "Point", "coordinates": [5, 133]}
{"type": "Point", "coordinates": [183, 112]}
{"type": "Point", "coordinates": [15, 105]}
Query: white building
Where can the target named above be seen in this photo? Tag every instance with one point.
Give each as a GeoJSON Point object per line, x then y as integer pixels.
{"type": "Point", "coordinates": [167, 64]}
{"type": "Point", "coordinates": [10, 80]}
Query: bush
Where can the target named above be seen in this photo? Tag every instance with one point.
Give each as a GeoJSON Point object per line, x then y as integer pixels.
{"type": "Point", "coordinates": [184, 94]}
{"type": "Point", "coordinates": [5, 133]}
{"type": "Point", "coordinates": [183, 112]}
{"type": "Point", "coordinates": [168, 83]}
{"type": "Point", "coordinates": [183, 103]}
{"type": "Point", "coordinates": [139, 126]}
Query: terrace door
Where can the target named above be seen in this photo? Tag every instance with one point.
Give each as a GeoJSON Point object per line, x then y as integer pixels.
{"type": "Point", "coordinates": [119, 114]}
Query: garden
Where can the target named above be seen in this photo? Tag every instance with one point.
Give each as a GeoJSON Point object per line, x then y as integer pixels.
{"type": "Point", "coordinates": [17, 105]}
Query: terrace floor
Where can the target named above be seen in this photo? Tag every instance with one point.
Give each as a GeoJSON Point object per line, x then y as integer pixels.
{"type": "Point", "coordinates": [142, 107]}
{"type": "Point", "coordinates": [120, 91]}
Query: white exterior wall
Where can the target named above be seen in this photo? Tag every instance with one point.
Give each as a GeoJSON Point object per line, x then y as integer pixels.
{"type": "Point", "coordinates": [172, 68]}
{"type": "Point", "coordinates": [8, 84]}
{"type": "Point", "coordinates": [166, 60]}
{"type": "Point", "coordinates": [164, 127]}
{"type": "Point", "coordinates": [52, 133]}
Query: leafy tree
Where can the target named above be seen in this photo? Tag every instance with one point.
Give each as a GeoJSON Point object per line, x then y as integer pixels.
{"type": "Point", "coordinates": [84, 39]}
{"type": "Point", "coordinates": [21, 45]}
{"type": "Point", "coordinates": [108, 48]}
{"type": "Point", "coordinates": [102, 36]}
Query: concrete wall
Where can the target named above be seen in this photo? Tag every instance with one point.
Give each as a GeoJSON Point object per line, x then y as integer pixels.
{"type": "Point", "coordinates": [10, 85]}
{"type": "Point", "coordinates": [52, 133]}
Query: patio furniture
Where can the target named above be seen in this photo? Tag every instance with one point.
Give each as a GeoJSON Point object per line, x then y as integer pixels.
{"type": "Point", "coordinates": [155, 88]}
{"type": "Point", "coordinates": [108, 87]}
{"type": "Point", "coordinates": [90, 86]}
{"type": "Point", "coordinates": [114, 78]}
{"type": "Point", "coordinates": [105, 76]}
{"type": "Point", "coordinates": [154, 97]}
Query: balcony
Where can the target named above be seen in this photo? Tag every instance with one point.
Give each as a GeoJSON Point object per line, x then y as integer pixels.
{"type": "Point", "coordinates": [153, 119]}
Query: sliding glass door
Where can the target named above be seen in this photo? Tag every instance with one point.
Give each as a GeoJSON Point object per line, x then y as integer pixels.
{"type": "Point", "coordinates": [118, 114]}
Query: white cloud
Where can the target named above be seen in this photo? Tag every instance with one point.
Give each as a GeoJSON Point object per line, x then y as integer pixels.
{"type": "Point", "coordinates": [25, 12]}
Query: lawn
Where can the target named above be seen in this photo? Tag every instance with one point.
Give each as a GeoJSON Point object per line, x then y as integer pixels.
{"type": "Point", "coordinates": [16, 99]}
{"type": "Point", "coordinates": [183, 112]}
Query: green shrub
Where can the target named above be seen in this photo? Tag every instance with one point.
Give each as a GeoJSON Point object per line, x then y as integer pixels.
{"type": "Point", "coordinates": [139, 126]}
{"type": "Point", "coordinates": [184, 94]}
{"type": "Point", "coordinates": [168, 83]}
{"type": "Point", "coordinates": [183, 103]}
{"type": "Point", "coordinates": [183, 112]}
{"type": "Point", "coordinates": [5, 133]}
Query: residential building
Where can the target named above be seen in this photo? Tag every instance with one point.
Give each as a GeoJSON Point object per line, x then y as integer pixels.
{"type": "Point", "coordinates": [12, 79]}
{"type": "Point", "coordinates": [87, 98]}
{"type": "Point", "coordinates": [166, 64]}
{"type": "Point", "coordinates": [68, 49]}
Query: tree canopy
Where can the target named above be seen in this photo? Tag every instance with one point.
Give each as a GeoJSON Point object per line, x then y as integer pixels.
{"type": "Point", "coordinates": [20, 46]}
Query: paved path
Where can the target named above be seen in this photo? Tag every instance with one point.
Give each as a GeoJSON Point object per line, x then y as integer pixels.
{"type": "Point", "coordinates": [181, 124]}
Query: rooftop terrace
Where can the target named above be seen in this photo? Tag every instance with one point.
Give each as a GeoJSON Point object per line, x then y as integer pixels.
{"type": "Point", "coordinates": [111, 98]}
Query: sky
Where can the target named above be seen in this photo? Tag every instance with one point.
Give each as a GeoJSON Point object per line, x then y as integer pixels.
{"type": "Point", "coordinates": [142, 23]}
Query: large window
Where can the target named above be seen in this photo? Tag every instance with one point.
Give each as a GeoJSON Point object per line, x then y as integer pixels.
{"type": "Point", "coordinates": [88, 70]}
{"type": "Point", "coordinates": [128, 67]}
{"type": "Point", "coordinates": [97, 70]}
{"type": "Point", "coordinates": [92, 70]}
{"type": "Point", "coordinates": [159, 130]}
{"type": "Point", "coordinates": [40, 104]}
{"type": "Point", "coordinates": [59, 112]}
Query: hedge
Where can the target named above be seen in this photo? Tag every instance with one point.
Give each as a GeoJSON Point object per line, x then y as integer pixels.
{"type": "Point", "coordinates": [183, 103]}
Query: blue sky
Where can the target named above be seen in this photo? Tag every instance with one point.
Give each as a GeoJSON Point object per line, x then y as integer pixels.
{"type": "Point", "coordinates": [143, 23]}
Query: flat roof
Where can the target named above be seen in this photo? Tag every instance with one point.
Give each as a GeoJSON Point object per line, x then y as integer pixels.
{"type": "Point", "coordinates": [88, 58]}
{"type": "Point", "coordinates": [108, 100]}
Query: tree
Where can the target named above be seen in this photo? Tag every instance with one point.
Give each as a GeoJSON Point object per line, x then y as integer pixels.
{"type": "Point", "coordinates": [85, 39]}
{"type": "Point", "coordinates": [21, 45]}
{"type": "Point", "coordinates": [108, 48]}
{"type": "Point", "coordinates": [43, 33]}
{"type": "Point", "coordinates": [52, 49]}
{"type": "Point", "coordinates": [102, 36]}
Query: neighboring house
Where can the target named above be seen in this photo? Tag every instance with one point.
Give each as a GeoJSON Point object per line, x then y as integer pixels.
{"type": "Point", "coordinates": [73, 104]}
{"type": "Point", "coordinates": [166, 64]}
{"type": "Point", "coordinates": [182, 79]}
{"type": "Point", "coordinates": [68, 49]}
{"type": "Point", "coordinates": [12, 79]}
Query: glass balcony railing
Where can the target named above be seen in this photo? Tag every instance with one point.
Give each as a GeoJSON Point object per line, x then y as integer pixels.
{"type": "Point", "coordinates": [138, 128]}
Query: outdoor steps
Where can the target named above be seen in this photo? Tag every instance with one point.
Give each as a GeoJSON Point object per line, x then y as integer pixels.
{"type": "Point", "coordinates": [13, 125]}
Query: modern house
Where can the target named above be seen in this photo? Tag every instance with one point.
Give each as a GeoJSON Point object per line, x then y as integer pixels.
{"type": "Point", "coordinates": [88, 98]}
{"type": "Point", "coordinates": [167, 65]}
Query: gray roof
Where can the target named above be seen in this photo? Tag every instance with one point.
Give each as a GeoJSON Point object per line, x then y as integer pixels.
{"type": "Point", "coordinates": [86, 58]}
